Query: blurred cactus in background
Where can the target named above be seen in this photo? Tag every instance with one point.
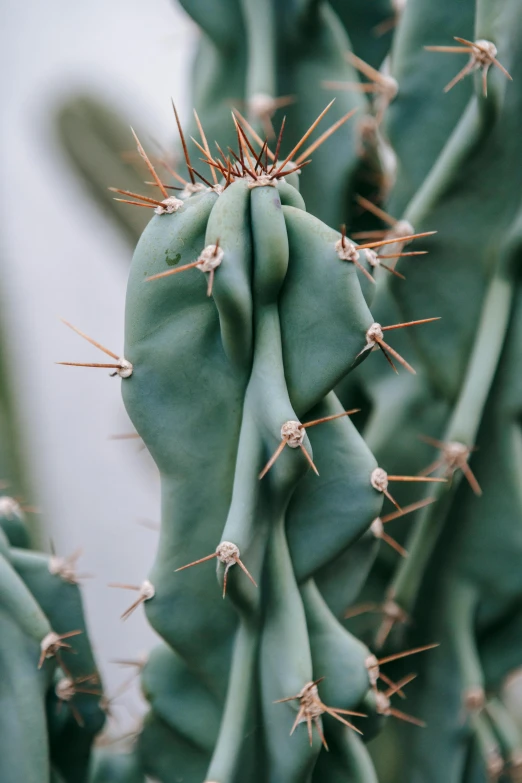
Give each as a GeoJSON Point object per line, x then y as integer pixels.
{"type": "Point", "coordinates": [96, 141]}
{"type": "Point", "coordinates": [50, 709]}
{"type": "Point", "coordinates": [51, 689]}
{"type": "Point", "coordinates": [241, 374]}
{"type": "Point", "coordinates": [13, 472]}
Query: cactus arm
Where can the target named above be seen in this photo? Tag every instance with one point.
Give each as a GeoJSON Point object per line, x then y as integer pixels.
{"type": "Point", "coordinates": [23, 730]}
{"type": "Point", "coordinates": [62, 604]}
{"type": "Point", "coordinates": [17, 600]}
{"type": "Point", "coordinates": [70, 744]}
{"type": "Point", "coordinates": [59, 600]}
{"type": "Point", "coordinates": [486, 332]}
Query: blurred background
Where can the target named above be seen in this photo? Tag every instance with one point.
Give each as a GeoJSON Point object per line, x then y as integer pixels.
{"type": "Point", "coordinates": [61, 257]}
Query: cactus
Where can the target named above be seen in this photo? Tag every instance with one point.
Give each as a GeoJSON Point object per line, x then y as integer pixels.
{"type": "Point", "coordinates": [249, 320]}
{"type": "Point", "coordinates": [50, 698]}
{"type": "Point", "coordinates": [228, 379]}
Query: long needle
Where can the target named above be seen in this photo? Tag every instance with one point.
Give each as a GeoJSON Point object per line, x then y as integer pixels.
{"type": "Point", "coordinates": [300, 143]}
{"type": "Point", "coordinates": [149, 165]}
{"type": "Point", "coordinates": [183, 144]}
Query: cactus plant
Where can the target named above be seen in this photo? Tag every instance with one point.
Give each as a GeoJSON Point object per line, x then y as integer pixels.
{"type": "Point", "coordinates": [234, 433]}
{"type": "Point", "coordinates": [248, 319]}
{"type": "Point", "coordinates": [50, 697]}
{"type": "Point", "coordinates": [471, 398]}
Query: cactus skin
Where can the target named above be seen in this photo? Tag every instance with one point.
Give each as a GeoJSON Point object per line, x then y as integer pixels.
{"type": "Point", "coordinates": [257, 353]}
{"type": "Point", "coordinates": [363, 23]}
{"type": "Point", "coordinates": [34, 602]}
{"type": "Point", "coordinates": [22, 721]}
